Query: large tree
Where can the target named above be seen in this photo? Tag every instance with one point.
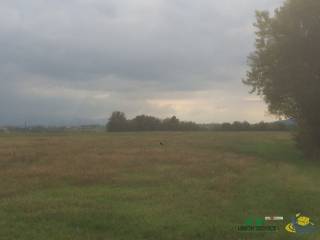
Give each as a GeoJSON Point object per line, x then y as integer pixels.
{"type": "Point", "coordinates": [145, 123]}
{"type": "Point", "coordinates": [117, 122]}
{"type": "Point", "coordinates": [285, 67]}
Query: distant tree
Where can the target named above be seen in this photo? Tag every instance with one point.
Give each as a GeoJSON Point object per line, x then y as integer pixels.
{"type": "Point", "coordinates": [261, 126]}
{"type": "Point", "coordinates": [278, 126]}
{"type": "Point", "coordinates": [171, 124]}
{"type": "Point", "coordinates": [285, 66]}
{"type": "Point", "coordinates": [145, 123]}
{"type": "Point", "coordinates": [117, 122]}
{"type": "Point", "coordinates": [240, 126]}
{"type": "Point", "coordinates": [226, 126]}
{"type": "Point", "coordinates": [246, 126]}
{"type": "Point", "coordinates": [188, 126]}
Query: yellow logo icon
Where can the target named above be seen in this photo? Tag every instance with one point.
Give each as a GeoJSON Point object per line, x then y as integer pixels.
{"type": "Point", "coordinates": [300, 224]}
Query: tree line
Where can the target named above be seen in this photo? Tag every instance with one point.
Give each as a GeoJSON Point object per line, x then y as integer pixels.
{"type": "Point", "coordinates": [119, 123]}
{"type": "Point", "coordinates": [246, 126]}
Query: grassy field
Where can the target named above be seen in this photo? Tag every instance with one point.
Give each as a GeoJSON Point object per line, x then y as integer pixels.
{"type": "Point", "coordinates": [126, 186]}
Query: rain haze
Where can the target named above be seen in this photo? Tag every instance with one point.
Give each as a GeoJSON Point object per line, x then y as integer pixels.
{"type": "Point", "coordinates": [71, 62]}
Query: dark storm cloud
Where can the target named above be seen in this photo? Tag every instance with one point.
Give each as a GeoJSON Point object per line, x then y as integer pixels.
{"type": "Point", "coordinates": [57, 56]}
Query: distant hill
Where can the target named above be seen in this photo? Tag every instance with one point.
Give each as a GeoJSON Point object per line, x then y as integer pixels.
{"type": "Point", "coordinates": [287, 122]}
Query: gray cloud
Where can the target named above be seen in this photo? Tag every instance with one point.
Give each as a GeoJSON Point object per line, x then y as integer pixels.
{"type": "Point", "coordinates": [65, 60]}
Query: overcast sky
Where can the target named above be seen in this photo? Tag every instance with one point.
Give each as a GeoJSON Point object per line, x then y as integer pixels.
{"type": "Point", "coordinates": [76, 61]}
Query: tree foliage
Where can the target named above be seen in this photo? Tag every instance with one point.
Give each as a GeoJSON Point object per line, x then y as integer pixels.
{"type": "Point", "coordinates": [118, 122]}
{"type": "Point", "coordinates": [285, 66]}
{"type": "Point", "coordinates": [245, 126]}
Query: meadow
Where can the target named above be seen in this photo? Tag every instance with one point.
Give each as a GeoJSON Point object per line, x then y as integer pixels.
{"type": "Point", "coordinates": [119, 186]}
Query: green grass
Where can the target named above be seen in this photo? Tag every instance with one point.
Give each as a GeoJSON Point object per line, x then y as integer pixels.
{"type": "Point", "coordinates": [125, 186]}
